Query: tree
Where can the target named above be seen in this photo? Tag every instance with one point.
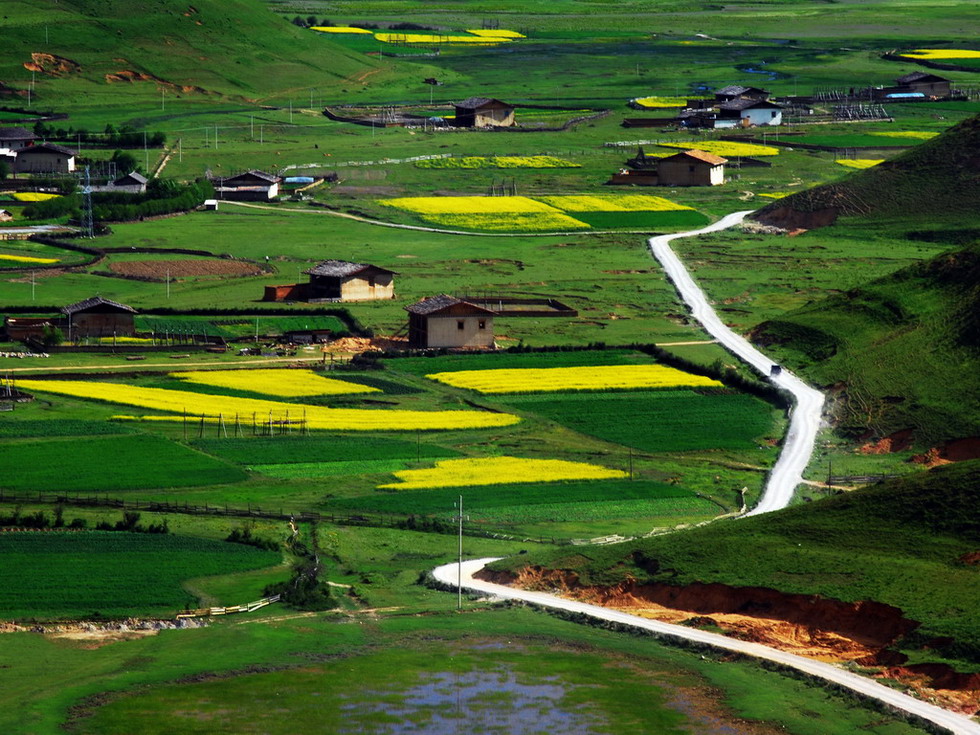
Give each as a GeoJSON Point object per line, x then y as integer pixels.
{"type": "Point", "coordinates": [51, 336]}
{"type": "Point", "coordinates": [125, 162]}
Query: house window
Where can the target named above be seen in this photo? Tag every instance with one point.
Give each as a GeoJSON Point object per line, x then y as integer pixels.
{"type": "Point", "coordinates": [773, 113]}
{"type": "Point", "coordinates": [371, 281]}
{"type": "Point", "coordinates": [483, 324]}
{"type": "Point", "coordinates": [460, 324]}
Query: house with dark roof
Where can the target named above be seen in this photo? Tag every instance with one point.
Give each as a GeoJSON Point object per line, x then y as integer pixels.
{"type": "Point", "coordinates": [13, 139]}
{"type": "Point", "coordinates": [746, 112]}
{"type": "Point", "coordinates": [929, 85]}
{"type": "Point", "coordinates": [691, 168]}
{"type": "Point", "coordinates": [45, 158]}
{"type": "Point", "coordinates": [446, 321]}
{"type": "Point", "coordinates": [340, 280]}
{"type": "Point", "coordinates": [483, 112]}
{"type": "Point", "coordinates": [738, 92]}
{"type": "Point", "coordinates": [99, 317]}
{"type": "Point", "coordinates": [251, 186]}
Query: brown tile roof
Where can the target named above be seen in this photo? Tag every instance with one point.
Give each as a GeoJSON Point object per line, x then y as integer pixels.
{"type": "Point", "coordinates": [701, 156]}
{"type": "Point", "coordinates": [53, 147]}
{"type": "Point", "coordinates": [93, 302]}
{"type": "Point", "coordinates": [342, 268]}
{"type": "Point", "coordinates": [435, 304]}
{"type": "Point", "coordinates": [478, 103]}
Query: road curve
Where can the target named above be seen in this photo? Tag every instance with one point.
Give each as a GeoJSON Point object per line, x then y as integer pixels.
{"type": "Point", "coordinates": [804, 416]}
{"type": "Point", "coordinates": [954, 723]}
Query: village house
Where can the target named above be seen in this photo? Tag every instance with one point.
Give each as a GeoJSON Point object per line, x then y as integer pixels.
{"type": "Point", "coordinates": [338, 280]}
{"type": "Point", "coordinates": [691, 168]}
{"type": "Point", "coordinates": [45, 158]}
{"type": "Point", "coordinates": [251, 186]}
{"type": "Point", "coordinates": [445, 321]}
{"type": "Point", "coordinates": [483, 112]}
{"type": "Point", "coordinates": [738, 92]}
{"type": "Point", "coordinates": [929, 85]}
{"type": "Point", "coordinates": [748, 112]}
{"type": "Point", "coordinates": [734, 106]}
{"type": "Point", "coordinates": [99, 317]}
{"type": "Point", "coordinates": [132, 183]}
{"type": "Point", "coordinates": [11, 141]}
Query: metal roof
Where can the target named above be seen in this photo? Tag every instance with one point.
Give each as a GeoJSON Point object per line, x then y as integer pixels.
{"type": "Point", "coordinates": [342, 268]}
{"type": "Point", "coordinates": [93, 302]}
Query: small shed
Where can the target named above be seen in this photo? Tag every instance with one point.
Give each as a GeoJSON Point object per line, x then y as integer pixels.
{"type": "Point", "coordinates": [692, 168]}
{"type": "Point", "coordinates": [13, 139]}
{"type": "Point", "coordinates": [99, 317]}
{"type": "Point", "coordinates": [930, 85]}
{"type": "Point", "coordinates": [23, 328]}
{"type": "Point", "coordinates": [5, 216]}
{"type": "Point", "coordinates": [746, 112]}
{"type": "Point", "coordinates": [340, 280]}
{"type": "Point", "coordinates": [483, 112]}
{"type": "Point", "coordinates": [251, 186]}
{"type": "Point", "coordinates": [446, 321]}
{"type": "Point", "coordinates": [133, 183]}
{"type": "Point", "coordinates": [45, 158]}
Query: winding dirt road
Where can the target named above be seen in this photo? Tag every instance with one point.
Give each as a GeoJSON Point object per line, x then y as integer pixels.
{"type": "Point", "coordinates": [954, 723]}
{"type": "Point", "coordinates": [804, 417]}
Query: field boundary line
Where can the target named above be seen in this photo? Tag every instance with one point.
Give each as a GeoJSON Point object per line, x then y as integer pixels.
{"type": "Point", "coordinates": [461, 576]}
{"type": "Point", "coordinates": [804, 415]}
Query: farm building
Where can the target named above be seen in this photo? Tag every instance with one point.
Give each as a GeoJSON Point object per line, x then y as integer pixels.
{"type": "Point", "coordinates": [45, 158]}
{"type": "Point", "coordinates": [930, 85]}
{"type": "Point", "coordinates": [132, 183]}
{"type": "Point", "coordinates": [747, 112]}
{"type": "Point", "coordinates": [99, 317]}
{"type": "Point", "coordinates": [642, 162]}
{"type": "Point", "coordinates": [445, 321]}
{"type": "Point", "coordinates": [483, 112]}
{"type": "Point", "coordinates": [5, 216]}
{"type": "Point", "coordinates": [691, 168]}
{"type": "Point", "coordinates": [13, 139]}
{"type": "Point", "coordinates": [738, 92]}
{"type": "Point", "coordinates": [251, 186]}
{"type": "Point", "coordinates": [23, 328]}
{"type": "Point", "coordinates": [338, 280]}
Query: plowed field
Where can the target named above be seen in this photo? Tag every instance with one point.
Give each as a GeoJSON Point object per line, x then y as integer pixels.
{"type": "Point", "coordinates": [184, 268]}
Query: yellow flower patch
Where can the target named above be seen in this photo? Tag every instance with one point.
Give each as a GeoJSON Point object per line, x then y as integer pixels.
{"type": "Point", "coordinates": [467, 205]}
{"type": "Point", "coordinates": [430, 38]}
{"type": "Point", "coordinates": [547, 380]}
{"type": "Point", "coordinates": [472, 162]}
{"type": "Point", "coordinates": [553, 221]}
{"type": "Point", "coordinates": [28, 259]}
{"type": "Point", "coordinates": [283, 383]}
{"type": "Point", "coordinates": [919, 134]}
{"type": "Point", "coordinates": [655, 102]}
{"type": "Point", "coordinates": [316, 417]}
{"type": "Point", "coordinates": [339, 29]}
{"type": "Point", "coordinates": [34, 196]}
{"type": "Point", "coordinates": [727, 148]}
{"type": "Point", "coordinates": [613, 203]}
{"type": "Point", "coordinates": [775, 194]}
{"type": "Point", "coordinates": [498, 471]}
{"type": "Point", "coordinates": [499, 33]}
{"type": "Point", "coordinates": [125, 341]}
{"type": "Point", "coordinates": [859, 162]}
{"type": "Point", "coordinates": [941, 53]}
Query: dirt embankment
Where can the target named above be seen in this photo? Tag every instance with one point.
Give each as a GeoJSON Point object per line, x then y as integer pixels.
{"type": "Point", "coordinates": [55, 66]}
{"type": "Point", "coordinates": [808, 625]}
{"type": "Point", "coordinates": [128, 75]}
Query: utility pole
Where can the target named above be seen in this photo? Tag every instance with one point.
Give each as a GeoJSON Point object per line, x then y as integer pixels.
{"type": "Point", "coordinates": [146, 155]}
{"type": "Point", "coordinates": [459, 566]}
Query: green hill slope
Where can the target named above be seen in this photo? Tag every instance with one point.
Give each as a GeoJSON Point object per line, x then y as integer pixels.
{"type": "Point", "coordinates": [936, 180]}
{"type": "Point", "coordinates": [903, 352]}
{"type": "Point", "coordinates": [235, 48]}
{"type": "Point", "coordinates": [905, 543]}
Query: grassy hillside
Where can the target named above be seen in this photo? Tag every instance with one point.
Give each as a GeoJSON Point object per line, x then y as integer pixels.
{"type": "Point", "coordinates": [234, 48]}
{"type": "Point", "coordinates": [936, 180]}
{"type": "Point", "coordinates": [904, 348]}
{"type": "Point", "coordinates": [902, 543]}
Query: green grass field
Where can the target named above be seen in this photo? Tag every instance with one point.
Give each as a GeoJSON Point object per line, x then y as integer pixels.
{"type": "Point", "coordinates": [138, 462]}
{"type": "Point", "coordinates": [62, 575]}
{"type": "Point", "coordinates": [299, 449]}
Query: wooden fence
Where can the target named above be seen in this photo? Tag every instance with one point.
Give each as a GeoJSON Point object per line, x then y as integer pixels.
{"type": "Point", "coordinates": [230, 610]}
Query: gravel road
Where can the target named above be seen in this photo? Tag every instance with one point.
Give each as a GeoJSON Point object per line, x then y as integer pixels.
{"type": "Point", "coordinates": [804, 423]}
{"type": "Point", "coordinates": [954, 723]}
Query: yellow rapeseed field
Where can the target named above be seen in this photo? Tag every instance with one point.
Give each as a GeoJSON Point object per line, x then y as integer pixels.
{"type": "Point", "coordinates": [466, 205]}
{"type": "Point", "coordinates": [471, 162]}
{"type": "Point", "coordinates": [124, 340]}
{"type": "Point", "coordinates": [516, 222]}
{"type": "Point", "coordinates": [33, 196]}
{"type": "Point", "coordinates": [941, 53]}
{"type": "Point", "coordinates": [920, 134]}
{"type": "Point", "coordinates": [27, 259]}
{"type": "Point", "coordinates": [653, 102]}
{"type": "Point", "coordinates": [545, 380]}
{"type": "Point", "coordinates": [498, 471]}
{"type": "Point", "coordinates": [859, 162]}
{"type": "Point", "coordinates": [775, 194]}
{"type": "Point", "coordinates": [727, 148]}
{"type": "Point", "coordinates": [499, 33]}
{"type": "Point", "coordinates": [273, 382]}
{"type": "Point", "coordinates": [612, 203]}
{"type": "Point", "coordinates": [317, 417]}
{"type": "Point", "coordinates": [339, 29]}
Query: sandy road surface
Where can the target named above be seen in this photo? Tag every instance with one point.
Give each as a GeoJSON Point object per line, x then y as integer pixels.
{"type": "Point", "coordinates": [958, 724]}
{"type": "Point", "coordinates": [804, 421]}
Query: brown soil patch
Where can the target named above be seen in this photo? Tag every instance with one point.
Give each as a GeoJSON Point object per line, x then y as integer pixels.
{"type": "Point", "coordinates": [973, 558]}
{"type": "Point", "coordinates": [351, 344]}
{"type": "Point", "coordinates": [897, 442]}
{"type": "Point", "coordinates": [55, 66]}
{"type": "Point", "coordinates": [955, 450]}
{"type": "Point", "coordinates": [128, 75]}
{"type": "Point", "coordinates": [159, 269]}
